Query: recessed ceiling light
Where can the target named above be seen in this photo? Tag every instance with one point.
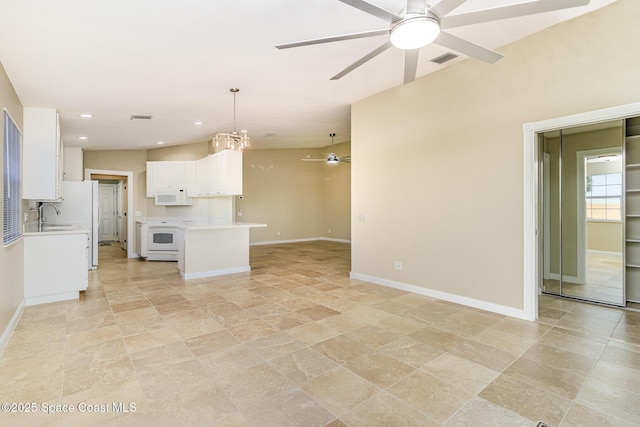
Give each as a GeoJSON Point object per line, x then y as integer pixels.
{"type": "Point", "coordinates": [198, 123]}
{"type": "Point", "coordinates": [86, 115]}
{"type": "Point", "coordinates": [160, 142]}
{"type": "Point", "coordinates": [83, 138]}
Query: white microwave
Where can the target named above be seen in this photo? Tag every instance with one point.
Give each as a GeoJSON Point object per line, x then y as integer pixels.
{"type": "Point", "coordinates": [172, 197]}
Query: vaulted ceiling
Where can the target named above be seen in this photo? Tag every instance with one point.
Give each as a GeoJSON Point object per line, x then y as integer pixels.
{"type": "Point", "coordinates": [177, 60]}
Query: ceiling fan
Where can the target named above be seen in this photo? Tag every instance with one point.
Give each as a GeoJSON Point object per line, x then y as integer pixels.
{"type": "Point", "coordinates": [331, 158]}
{"type": "Point", "coordinates": [420, 25]}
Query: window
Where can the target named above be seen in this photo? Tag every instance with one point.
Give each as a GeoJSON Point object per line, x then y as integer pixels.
{"type": "Point", "coordinates": [12, 226]}
{"type": "Point", "coordinates": [604, 196]}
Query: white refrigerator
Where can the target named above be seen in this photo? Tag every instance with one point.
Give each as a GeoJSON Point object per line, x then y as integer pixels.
{"type": "Point", "coordinates": [79, 206]}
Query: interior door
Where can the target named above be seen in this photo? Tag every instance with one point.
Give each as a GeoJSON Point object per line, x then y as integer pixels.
{"type": "Point", "coordinates": [107, 202]}
{"type": "Point", "coordinates": [120, 211]}
{"type": "Point", "coordinates": [582, 216]}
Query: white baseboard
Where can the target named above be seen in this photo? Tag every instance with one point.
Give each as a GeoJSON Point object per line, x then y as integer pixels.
{"type": "Point", "coordinates": [310, 239]}
{"type": "Point", "coordinates": [470, 302]}
{"type": "Point", "coordinates": [213, 273]}
{"type": "Point", "coordinates": [4, 339]}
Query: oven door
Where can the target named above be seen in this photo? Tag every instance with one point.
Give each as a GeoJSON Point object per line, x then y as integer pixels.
{"type": "Point", "coordinates": [162, 239]}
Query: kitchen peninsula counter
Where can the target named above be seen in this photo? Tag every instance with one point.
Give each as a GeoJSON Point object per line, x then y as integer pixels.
{"type": "Point", "coordinates": [209, 249]}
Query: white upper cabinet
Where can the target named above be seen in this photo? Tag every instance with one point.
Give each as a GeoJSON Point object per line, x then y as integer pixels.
{"type": "Point", "coordinates": [173, 174]}
{"type": "Point", "coordinates": [42, 155]}
{"type": "Point", "coordinates": [219, 174]}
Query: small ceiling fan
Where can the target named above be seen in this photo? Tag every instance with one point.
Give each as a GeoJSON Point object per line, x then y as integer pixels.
{"type": "Point", "coordinates": [331, 158]}
{"type": "Point", "coordinates": [420, 25]}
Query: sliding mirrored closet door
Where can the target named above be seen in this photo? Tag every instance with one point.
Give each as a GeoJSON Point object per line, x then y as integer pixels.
{"type": "Point", "coordinates": [582, 212]}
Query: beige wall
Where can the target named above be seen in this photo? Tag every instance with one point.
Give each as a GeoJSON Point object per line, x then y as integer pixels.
{"type": "Point", "coordinates": [285, 193]}
{"type": "Point", "coordinates": [336, 199]}
{"type": "Point", "coordinates": [11, 257]}
{"type": "Point", "coordinates": [448, 199]}
{"type": "Point", "coordinates": [299, 199]}
{"type": "Point", "coordinates": [134, 161]}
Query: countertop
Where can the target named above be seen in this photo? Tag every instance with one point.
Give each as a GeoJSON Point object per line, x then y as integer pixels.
{"type": "Point", "coordinates": [31, 229]}
{"type": "Point", "coordinates": [217, 225]}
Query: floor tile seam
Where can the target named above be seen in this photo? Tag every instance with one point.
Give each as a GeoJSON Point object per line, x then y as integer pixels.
{"type": "Point", "coordinates": [584, 376]}
{"type": "Point", "coordinates": [446, 353]}
{"type": "Point", "coordinates": [546, 390]}
{"type": "Point", "coordinates": [393, 396]}
{"type": "Point", "coordinates": [477, 396]}
{"type": "Point", "coordinates": [594, 366]}
{"type": "Point", "coordinates": [584, 332]}
{"type": "Point", "coordinates": [424, 413]}
{"type": "Point", "coordinates": [340, 365]}
{"type": "Point", "coordinates": [547, 332]}
{"type": "Point", "coordinates": [291, 383]}
{"type": "Point", "coordinates": [599, 410]}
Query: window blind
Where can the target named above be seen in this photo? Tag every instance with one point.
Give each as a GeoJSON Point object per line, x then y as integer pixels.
{"type": "Point", "coordinates": [12, 226]}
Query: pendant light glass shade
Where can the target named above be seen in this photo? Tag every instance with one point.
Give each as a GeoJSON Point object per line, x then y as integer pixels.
{"type": "Point", "coordinates": [231, 140]}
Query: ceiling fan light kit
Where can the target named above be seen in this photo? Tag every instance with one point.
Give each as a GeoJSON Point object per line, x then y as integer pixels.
{"type": "Point", "coordinates": [421, 24]}
{"type": "Point", "coordinates": [332, 159]}
{"type": "Point", "coordinates": [415, 31]}
{"type": "Point", "coordinates": [231, 140]}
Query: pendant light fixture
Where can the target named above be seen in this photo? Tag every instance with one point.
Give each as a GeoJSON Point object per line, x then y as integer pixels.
{"type": "Point", "coordinates": [234, 140]}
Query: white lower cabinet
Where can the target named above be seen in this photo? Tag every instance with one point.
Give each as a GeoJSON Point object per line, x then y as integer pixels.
{"type": "Point", "coordinates": [55, 266]}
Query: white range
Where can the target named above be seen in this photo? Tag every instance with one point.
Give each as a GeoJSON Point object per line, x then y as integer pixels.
{"type": "Point", "coordinates": [157, 239]}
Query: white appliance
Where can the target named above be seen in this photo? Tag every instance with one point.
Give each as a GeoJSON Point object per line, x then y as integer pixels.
{"type": "Point", "coordinates": [172, 197]}
{"type": "Point", "coordinates": [157, 240]}
{"type": "Point", "coordinates": [79, 206]}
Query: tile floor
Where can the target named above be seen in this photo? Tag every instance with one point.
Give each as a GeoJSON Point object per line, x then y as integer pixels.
{"type": "Point", "coordinates": [296, 342]}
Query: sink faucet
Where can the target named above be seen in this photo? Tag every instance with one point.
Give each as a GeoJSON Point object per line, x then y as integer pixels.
{"type": "Point", "coordinates": [42, 220]}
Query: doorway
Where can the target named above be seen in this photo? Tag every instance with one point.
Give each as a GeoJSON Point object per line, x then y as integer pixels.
{"type": "Point", "coordinates": [110, 195]}
{"type": "Point", "coordinates": [533, 243]}
{"type": "Point", "coordinates": [122, 223]}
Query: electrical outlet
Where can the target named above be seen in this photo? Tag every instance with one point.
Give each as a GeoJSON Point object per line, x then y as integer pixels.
{"type": "Point", "coordinates": [398, 265]}
{"type": "Point", "coordinates": [277, 233]}
{"type": "Point", "coordinates": [329, 231]}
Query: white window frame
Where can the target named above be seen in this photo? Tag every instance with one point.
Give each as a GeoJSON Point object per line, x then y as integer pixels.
{"type": "Point", "coordinates": [12, 181]}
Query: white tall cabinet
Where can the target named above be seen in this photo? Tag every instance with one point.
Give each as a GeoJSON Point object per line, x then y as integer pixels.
{"type": "Point", "coordinates": [42, 155]}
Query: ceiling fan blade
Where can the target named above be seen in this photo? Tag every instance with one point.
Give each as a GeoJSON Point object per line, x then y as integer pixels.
{"type": "Point", "coordinates": [351, 36]}
{"type": "Point", "coordinates": [445, 6]}
{"type": "Point", "coordinates": [410, 65]}
{"type": "Point", "coordinates": [372, 9]}
{"type": "Point", "coordinates": [467, 48]}
{"type": "Point", "coordinates": [362, 60]}
{"type": "Point", "coordinates": [314, 160]}
{"type": "Point", "coordinates": [345, 159]}
{"type": "Point", "coordinates": [511, 11]}
{"type": "Point", "coordinates": [416, 6]}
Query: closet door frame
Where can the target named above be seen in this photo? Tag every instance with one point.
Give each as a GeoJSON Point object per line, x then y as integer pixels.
{"type": "Point", "coordinates": [531, 165]}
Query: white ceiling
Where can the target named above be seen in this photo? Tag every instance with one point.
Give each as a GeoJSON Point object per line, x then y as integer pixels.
{"type": "Point", "coordinates": [177, 60]}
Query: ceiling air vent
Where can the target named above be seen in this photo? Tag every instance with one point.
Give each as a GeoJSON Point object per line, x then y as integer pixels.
{"type": "Point", "coordinates": [139, 117]}
{"type": "Point", "coordinates": [444, 58]}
